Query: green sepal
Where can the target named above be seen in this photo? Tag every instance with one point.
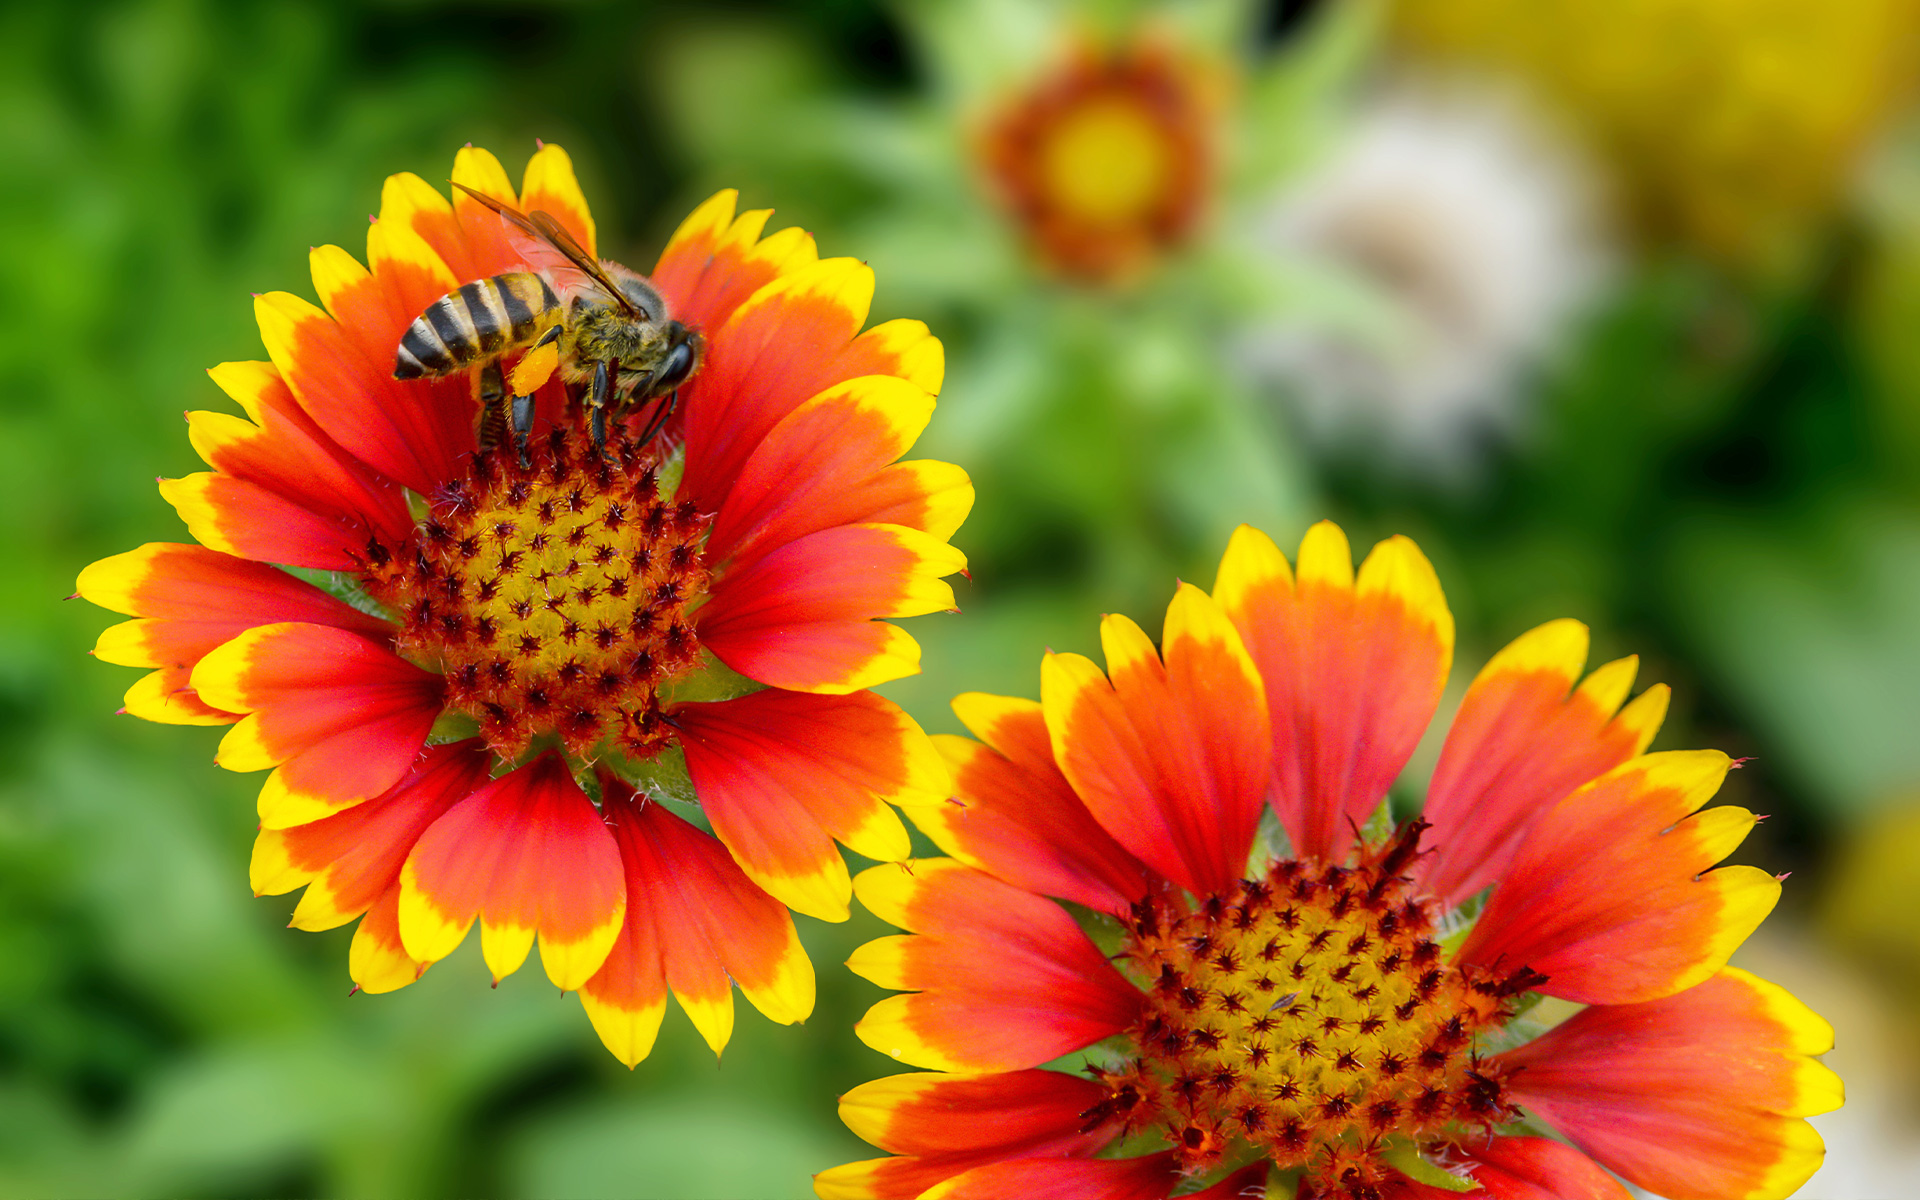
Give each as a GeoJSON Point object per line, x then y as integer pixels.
{"type": "Point", "coordinates": [452, 725]}
{"type": "Point", "coordinates": [343, 586]}
{"type": "Point", "coordinates": [1404, 1156]}
{"type": "Point", "coordinates": [711, 680]}
{"type": "Point", "coordinates": [662, 777]}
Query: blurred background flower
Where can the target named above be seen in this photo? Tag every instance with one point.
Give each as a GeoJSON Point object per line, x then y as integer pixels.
{"type": "Point", "coordinates": [1698, 364]}
{"type": "Point", "coordinates": [1467, 239]}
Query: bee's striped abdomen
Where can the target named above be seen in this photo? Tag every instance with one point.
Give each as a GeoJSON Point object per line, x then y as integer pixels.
{"type": "Point", "coordinates": [474, 321]}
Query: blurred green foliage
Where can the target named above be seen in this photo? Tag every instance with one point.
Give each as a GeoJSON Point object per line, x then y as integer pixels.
{"type": "Point", "coordinates": [1725, 482]}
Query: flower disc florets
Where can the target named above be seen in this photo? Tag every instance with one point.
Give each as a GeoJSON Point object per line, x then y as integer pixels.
{"type": "Point", "coordinates": [553, 598]}
{"type": "Point", "coordinates": [1308, 1014]}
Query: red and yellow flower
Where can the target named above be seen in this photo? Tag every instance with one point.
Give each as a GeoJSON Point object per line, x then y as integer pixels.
{"type": "Point", "coordinates": [1345, 1010]}
{"type": "Point", "coordinates": [510, 665]}
{"type": "Point", "coordinates": [1106, 162]}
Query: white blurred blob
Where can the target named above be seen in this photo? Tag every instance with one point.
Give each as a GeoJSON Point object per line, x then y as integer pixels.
{"type": "Point", "coordinates": [1455, 243]}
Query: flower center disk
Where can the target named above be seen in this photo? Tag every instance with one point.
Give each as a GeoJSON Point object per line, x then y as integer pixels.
{"type": "Point", "coordinates": [555, 599]}
{"type": "Point", "coordinates": [1307, 1016]}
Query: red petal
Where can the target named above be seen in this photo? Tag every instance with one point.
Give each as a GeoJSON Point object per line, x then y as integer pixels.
{"type": "Point", "coordinates": [1353, 670]}
{"type": "Point", "coordinates": [1535, 1168]}
{"type": "Point", "coordinates": [376, 960]}
{"type": "Point", "coordinates": [715, 261]}
{"type": "Point", "coordinates": [1247, 1183]}
{"type": "Point", "coordinates": [1148, 1178]}
{"type": "Point", "coordinates": [1700, 1094]}
{"type": "Point", "coordinates": [284, 452]}
{"type": "Point", "coordinates": [1018, 820]}
{"type": "Point", "coordinates": [397, 429]}
{"type": "Point", "coordinates": [347, 860]}
{"type": "Point", "coordinates": [945, 1124]}
{"type": "Point", "coordinates": [782, 774]}
{"type": "Point", "coordinates": [1525, 738]}
{"type": "Point", "coordinates": [194, 598]}
{"type": "Point", "coordinates": [802, 617]}
{"type": "Point", "coordinates": [241, 517]}
{"type": "Point", "coordinates": [711, 925]}
{"type": "Point", "coordinates": [1005, 979]}
{"type": "Point", "coordinates": [527, 854]}
{"type": "Point", "coordinates": [486, 235]}
{"type": "Point", "coordinates": [813, 470]}
{"type": "Point", "coordinates": [410, 202]}
{"type": "Point", "coordinates": [1171, 759]}
{"type": "Point", "coordinates": [549, 186]}
{"type": "Point", "coordinates": [343, 716]}
{"type": "Point", "coordinates": [1610, 894]}
{"type": "Point", "coordinates": [1013, 1114]}
{"type": "Point", "coordinates": [781, 347]}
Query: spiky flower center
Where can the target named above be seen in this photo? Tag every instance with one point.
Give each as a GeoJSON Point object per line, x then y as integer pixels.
{"type": "Point", "coordinates": [555, 599]}
{"type": "Point", "coordinates": [1308, 1017]}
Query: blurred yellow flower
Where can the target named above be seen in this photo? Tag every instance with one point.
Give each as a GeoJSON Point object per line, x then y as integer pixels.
{"type": "Point", "coordinates": [1107, 160]}
{"type": "Point", "coordinates": [1734, 123]}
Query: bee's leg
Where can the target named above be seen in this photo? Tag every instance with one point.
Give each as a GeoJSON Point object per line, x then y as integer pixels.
{"type": "Point", "coordinates": [522, 427]}
{"type": "Point", "coordinates": [661, 412]}
{"type": "Point", "coordinates": [493, 409]}
{"type": "Point", "coordinates": [605, 376]}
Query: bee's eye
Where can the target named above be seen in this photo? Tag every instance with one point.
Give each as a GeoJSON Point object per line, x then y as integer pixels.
{"type": "Point", "coordinates": [678, 366]}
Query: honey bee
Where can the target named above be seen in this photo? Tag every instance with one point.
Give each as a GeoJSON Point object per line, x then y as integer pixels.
{"type": "Point", "coordinates": [598, 323]}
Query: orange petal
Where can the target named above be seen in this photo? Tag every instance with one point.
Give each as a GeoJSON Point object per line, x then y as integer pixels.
{"type": "Point", "coordinates": [549, 186]}
{"type": "Point", "coordinates": [341, 715]}
{"type": "Point", "coordinates": [402, 431]}
{"type": "Point", "coordinates": [376, 961]}
{"type": "Point", "coordinates": [243, 518]}
{"type": "Point", "coordinates": [710, 925]}
{"type": "Point", "coordinates": [1698, 1095]}
{"type": "Point", "coordinates": [167, 698]}
{"type": "Point", "coordinates": [348, 860]}
{"type": "Point", "coordinates": [1171, 758]}
{"type": "Point", "coordinates": [812, 470]}
{"type": "Point", "coordinates": [1524, 738]}
{"type": "Point", "coordinates": [192, 599]}
{"type": "Point", "coordinates": [947, 1124]}
{"type": "Point", "coordinates": [782, 774]}
{"type": "Point", "coordinates": [803, 617]}
{"type": "Point", "coordinates": [715, 261]}
{"type": "Point", "coordinates": [1004, 980]}
{"type": "Point", "coordinates": [1353, 668]}
{"type": "Point", "coordinates": [1151, 1177]}
{"type": "Point", "coordinates": [1610, 895]}
{"type": "Point", "coordinates": [527, 854]}
{"type": "Point", "coordinates": [781, 347]}
{"type": "Point", "coordinates": [487, 238]}
{"type": "Point", "coordinates": [408, 201]}
{"type": "Point", "coordinates": [1017, 819]}
{"type": "Point", "coordinates": [279, 448]}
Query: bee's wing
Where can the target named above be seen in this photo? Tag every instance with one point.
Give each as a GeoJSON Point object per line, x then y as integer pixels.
{"type": "Point", "coordinates": [546, 244]}
{"type": "Point", "coordinates": [551, 229]}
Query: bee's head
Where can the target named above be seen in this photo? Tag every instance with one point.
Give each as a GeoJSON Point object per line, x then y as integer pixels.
{"type": "Point", "coordinates": [683, 355]}
{"type": "Point", "coordinates": [642, 294]}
